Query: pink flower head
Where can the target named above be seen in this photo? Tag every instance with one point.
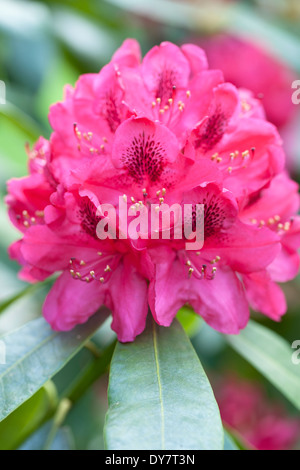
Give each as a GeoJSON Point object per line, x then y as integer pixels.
{"type": "Point", "coordinates": [162, 131]}
{"type": "Point", "coordinates": [248, 65]}
{"type": "Point", "coordinates": [263, 424]}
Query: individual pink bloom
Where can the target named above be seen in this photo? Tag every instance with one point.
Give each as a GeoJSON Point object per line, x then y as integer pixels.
{"type": "Point", "coordinates": [248, 65]}
{"type": "Point", "coordinates": [264, 425]}
{"type": "Point", "coordinates": [164, 130]}
{"type": "Point", "coordinates": [274, 207]}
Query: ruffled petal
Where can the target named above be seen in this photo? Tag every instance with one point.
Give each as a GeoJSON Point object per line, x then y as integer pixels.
{"type": "Point", "coordinates": [71, 302]}
{"type": "Point", "coordinates": [128, 300]}
{"type": "Point", "coordinates": [264, 295]}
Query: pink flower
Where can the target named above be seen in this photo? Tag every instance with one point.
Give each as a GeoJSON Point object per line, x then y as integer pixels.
{"type": "Point", "coordinates": [263, 424]}
{"type": "Point", "coordinates": [248, 65]}
{"type": "Point", "coordinates": [164, 130]}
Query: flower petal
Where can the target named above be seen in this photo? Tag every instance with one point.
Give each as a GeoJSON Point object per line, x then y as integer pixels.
{"type": "Point", "coordinates": [71, 302]}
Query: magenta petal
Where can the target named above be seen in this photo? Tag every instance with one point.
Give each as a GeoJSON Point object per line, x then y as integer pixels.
{"type": "Point", "coordinates": [71, 302]}
{"type": "Point", "coordinates": [221, 301]}
{"type": "Point", "coordinates": [144, 148]}
{"type": "Point", "coordinates": [244, 248]}
{"type": "Point", "coordinates": [128, 295]}
{"type": "Point", "coordinates": [196, 57]}
{"type": "Point", "coordinates": [264, 295]}
{"type": "Point", "coordinates": [164, 67]}
{"type": "Point", "coordinates": [129, 54]}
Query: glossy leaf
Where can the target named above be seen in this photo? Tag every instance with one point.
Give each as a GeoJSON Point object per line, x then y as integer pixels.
{"type": "Point", "coordinates": [25, 419]}
{"type": "Point", "coordinates": [159, 395]}
{"type": "Point", "coordinates": [63, 439]}
{"type": "Point", "coordinates": [34, 354]}
{"type": "Point", "coordinates": [272, 356]}
{"type": "Point", "coordinates": [229, 443]}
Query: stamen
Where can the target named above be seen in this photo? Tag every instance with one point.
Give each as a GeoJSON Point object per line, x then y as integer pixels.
{"type": "Point", "coordinates": [39, 213]}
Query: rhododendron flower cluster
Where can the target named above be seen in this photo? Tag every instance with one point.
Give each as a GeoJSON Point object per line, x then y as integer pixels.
{"type": "Point", "coordinates": [263, 424]}
{"type": "Point", "coordinates": [162, 130]}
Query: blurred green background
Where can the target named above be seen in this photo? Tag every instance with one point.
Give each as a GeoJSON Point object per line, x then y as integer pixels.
{"type": "Point", "coordinates": [46, 44]}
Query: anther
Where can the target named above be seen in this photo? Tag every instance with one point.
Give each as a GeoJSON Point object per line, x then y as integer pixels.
{"type": "Point", "coordinates": [39, 213]}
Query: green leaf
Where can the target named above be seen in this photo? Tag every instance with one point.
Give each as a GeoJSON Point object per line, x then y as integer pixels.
{"type": "Point", "coordinates": [21, 121]}
{"type": "Point", "coordinates": [272, 356]}
{"type": "Point", "coordinates": [30, 289]}
{"type": "Point", "coordinates": [189, 320]}
{"type": "Point", "coordinates": [63, 440]}
{"type": "Point", "coordinates": [229, 443]}
{"type": "Point", "coordinates": [25, 419]}
{"type": "Point", "coordinates": [159, 395]}
{"type": "Point", "coordinates": [34, 354]}
{"type": "Point", "coordinates": [179, 14]}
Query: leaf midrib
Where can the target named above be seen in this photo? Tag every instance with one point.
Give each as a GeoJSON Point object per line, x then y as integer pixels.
{"type": "Point", "coordinates": [162, 412]}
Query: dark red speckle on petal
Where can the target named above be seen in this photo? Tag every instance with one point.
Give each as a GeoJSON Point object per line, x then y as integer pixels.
{"type": "Point", "coordinates": [212, 132]}
{"type": "Point", "coordinates": [144, 158]}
